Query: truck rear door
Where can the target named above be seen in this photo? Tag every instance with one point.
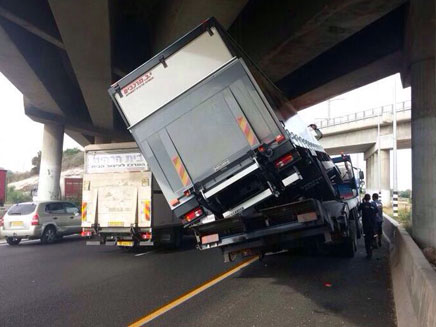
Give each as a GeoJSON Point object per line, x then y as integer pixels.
{"type": "Point", "coordinates": [213, 125]}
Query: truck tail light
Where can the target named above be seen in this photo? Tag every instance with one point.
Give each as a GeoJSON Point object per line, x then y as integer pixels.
{"type": "Point", "coordinates": [35, 220]}
{"type": "Point", "coordinates": [283, 161]}
{"type": "Point", "coordinates": [279, 138]}
{"type": "Point", "coordinates": [86, 232]}
{"type": "Point", "coordinates": [197, 212]}
{"type": "Point", "coordinates": [146, 236]}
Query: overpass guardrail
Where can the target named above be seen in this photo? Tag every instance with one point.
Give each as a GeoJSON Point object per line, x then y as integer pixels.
{"type": "Point", "coordinates": [360, 115]}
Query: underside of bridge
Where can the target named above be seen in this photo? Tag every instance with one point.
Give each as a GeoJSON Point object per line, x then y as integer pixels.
{"type": "Point", "coordinates": [63, 54]}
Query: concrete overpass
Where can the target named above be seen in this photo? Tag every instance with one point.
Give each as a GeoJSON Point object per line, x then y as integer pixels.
{"type": "Point", "coordinates": [63, 54]}
{"type": "Point", "coordinates": [358, 132]}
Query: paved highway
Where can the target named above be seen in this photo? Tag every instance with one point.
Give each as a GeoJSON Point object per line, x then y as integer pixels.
{"type": "Point", "coordinates": [70, 284]}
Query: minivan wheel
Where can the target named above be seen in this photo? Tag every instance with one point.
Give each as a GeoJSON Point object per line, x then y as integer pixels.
{"type": "Point", "coordinates": [13, 240]}
{"type": "Point", "coordinates": [49, 235]}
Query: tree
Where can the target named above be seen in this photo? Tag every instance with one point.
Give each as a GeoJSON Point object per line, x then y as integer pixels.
{"type": "Point", "coordinates": [15, 196]}
{"type": "Point", "coordinates": [405, 194]}
{"type": "Point", "coordinates": [36, 163]}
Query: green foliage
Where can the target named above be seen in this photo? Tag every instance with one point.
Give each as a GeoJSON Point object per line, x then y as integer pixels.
{"type": "Point", "coordinates": [70, 152]}
{"type": "Point", "coordinates": [405, 194]}
{"type": "Point", "coordinates": [36, 163]}
{"type": "Point", "coordinates": [72, 158]}
{"type": "Point", "coordinates": [15, 196]}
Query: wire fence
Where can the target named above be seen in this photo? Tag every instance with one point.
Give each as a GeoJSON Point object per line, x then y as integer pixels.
{"type": "Point", "coordinates": [369, 113]}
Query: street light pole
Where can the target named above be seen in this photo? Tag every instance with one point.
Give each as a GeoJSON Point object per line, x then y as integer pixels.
{"type": "Point", "coordinates": [378, 155]}
{"type": "Point", "coordinates": [395, 174]}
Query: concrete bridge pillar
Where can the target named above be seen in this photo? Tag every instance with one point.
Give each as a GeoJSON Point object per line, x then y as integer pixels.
{"type": "Point", "coordinates": [423, 72]}
{"type": "Point", "coordinates": [385, 158]}
{"type": "Point", "coordinates": [51, 160]}
{"type": "Point", "coordinates": [372, 173]}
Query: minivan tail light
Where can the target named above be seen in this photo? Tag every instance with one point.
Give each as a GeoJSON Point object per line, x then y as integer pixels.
{"type": "Point", "coordinates": [35, 220]}
{"type": "Point", "coordinates": [283, 161]}
{"type": "Point", "coordinates": [191, 215]}
{"type": "Point", "coordinates": [1, 222]}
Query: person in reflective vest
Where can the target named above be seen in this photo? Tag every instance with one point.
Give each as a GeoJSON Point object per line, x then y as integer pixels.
{"type": "Point", "coordinates": [369, 211]}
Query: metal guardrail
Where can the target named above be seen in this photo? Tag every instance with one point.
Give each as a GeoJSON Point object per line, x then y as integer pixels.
{"type": "Point", "coordinates": [370, 113]}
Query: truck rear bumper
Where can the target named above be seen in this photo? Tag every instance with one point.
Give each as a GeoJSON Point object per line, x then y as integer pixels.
{"type": "Point", "coordinates": [294, 230]}
{"type": "Point", "coordinates": [259, 197]}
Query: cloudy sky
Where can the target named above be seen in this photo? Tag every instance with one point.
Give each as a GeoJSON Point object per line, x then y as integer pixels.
{"type": "Point", "coordinates": [21, 138]}
{"type": "Point", "coordinates": [377, 94]}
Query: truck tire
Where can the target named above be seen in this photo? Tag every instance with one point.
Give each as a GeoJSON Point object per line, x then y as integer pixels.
{"type": "Point", "coordinates": [13, 240]}
{"type": "Point", "coordinates": [49, 235]}
{"type": "Point", "coordinates": [178, 237]}
{"type": "Point", "coordinates": [349, 246]}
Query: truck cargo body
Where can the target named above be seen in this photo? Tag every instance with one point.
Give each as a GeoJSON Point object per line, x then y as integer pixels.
{"type": "Point", "coordinates": [73, 189]}
{"type": "Point", "coordinates": [205, 120]}
{"type": "Point", "coordinates": [122, 204]}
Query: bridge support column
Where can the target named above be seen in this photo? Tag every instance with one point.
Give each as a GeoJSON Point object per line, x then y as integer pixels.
{"type": "Point", "coordinates": [423, 72]}
{"type": "Point", "coordinates": [51, 160]}
{"type": "Point", "coordinates": [385, 158]}
{"type": "Point", "coordinates": [372, 171]}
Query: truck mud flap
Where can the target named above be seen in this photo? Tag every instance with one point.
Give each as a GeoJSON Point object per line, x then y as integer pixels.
{"type": "Point", "coordinates": [146, 243]}
{"type": "Point", "coordinates": [93, 243]}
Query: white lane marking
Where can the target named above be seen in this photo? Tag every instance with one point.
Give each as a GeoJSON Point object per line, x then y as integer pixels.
{"type": "Point", "coordinates": [144, 253]}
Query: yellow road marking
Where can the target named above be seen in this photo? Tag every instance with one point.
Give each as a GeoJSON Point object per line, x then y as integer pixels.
{"type": "Point", "coordinates": [185, 297]}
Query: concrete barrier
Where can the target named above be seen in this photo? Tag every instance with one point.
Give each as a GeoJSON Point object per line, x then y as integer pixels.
{"type": "Point", "coordinates": [413, 279]}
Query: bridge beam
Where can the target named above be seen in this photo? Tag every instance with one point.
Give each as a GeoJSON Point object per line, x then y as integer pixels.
{"type": "Point", "coordinates": [422, 33]}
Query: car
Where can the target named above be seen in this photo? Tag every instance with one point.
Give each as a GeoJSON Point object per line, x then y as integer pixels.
{"type": "Point", "coordinates": [44, 220]}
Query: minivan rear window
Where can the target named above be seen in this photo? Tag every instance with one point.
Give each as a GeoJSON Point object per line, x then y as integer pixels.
{"type": "Point", "coordinates": [22, 209]}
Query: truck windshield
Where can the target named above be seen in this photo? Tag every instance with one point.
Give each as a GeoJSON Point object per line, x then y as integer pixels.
{"type": "Point", "coordinates": [22, 209]}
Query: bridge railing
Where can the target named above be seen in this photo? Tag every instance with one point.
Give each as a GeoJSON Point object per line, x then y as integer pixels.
{"type": "Point", "coordinates": [360, 115]}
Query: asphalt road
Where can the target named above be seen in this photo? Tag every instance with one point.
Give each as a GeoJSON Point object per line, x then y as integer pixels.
{"type": "Point", "coordinates": [71, 284]}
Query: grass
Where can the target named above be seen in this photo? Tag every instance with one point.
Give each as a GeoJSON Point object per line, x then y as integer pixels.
{"type": "Point", "coordinates": [404, 217]}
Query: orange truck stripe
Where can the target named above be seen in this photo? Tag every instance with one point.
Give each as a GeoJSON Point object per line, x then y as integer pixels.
{"type": "Point", "coordinates": [181, 171]}
{"type": "Point", "coordinates": [84, 211]}
{"type": "Point", "coordinates": [246, 129]}
{"type": "Point", "coordinates": [147, 210]}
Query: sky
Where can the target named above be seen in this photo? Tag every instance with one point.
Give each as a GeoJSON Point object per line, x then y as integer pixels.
{"type": "Point", "coordinates": [21, 138]}
{"type": "Point", "coordinates": [377, 94]}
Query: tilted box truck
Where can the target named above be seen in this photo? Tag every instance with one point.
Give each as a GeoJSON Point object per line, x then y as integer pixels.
{"type": "Point", "coordinates": [205, 119]}
{"type": "Point", "coordinates": [122, 204]}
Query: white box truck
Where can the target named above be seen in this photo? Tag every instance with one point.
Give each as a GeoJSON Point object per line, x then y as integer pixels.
{"type": "Point", "coordinates": [205, 119]}
{"type": "Point", "coordinates": [122, 204]}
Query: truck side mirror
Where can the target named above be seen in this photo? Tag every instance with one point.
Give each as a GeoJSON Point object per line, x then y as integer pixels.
{"type": "Point", "coordinates": [361, 175]}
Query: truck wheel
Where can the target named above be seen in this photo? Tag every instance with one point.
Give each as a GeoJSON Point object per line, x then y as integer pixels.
{"type": "Point", "coordinates": [49, 235]}
{"type": "Point", "coordinates": [178, 237]}
{"type": "Point", "coordinates": [13, 240]}
{"type": "Point", "coordinates": [349, 247]}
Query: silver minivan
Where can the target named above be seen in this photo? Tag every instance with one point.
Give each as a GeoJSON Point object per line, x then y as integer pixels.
{"type": "Point", "coordinates": [46, 220]}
